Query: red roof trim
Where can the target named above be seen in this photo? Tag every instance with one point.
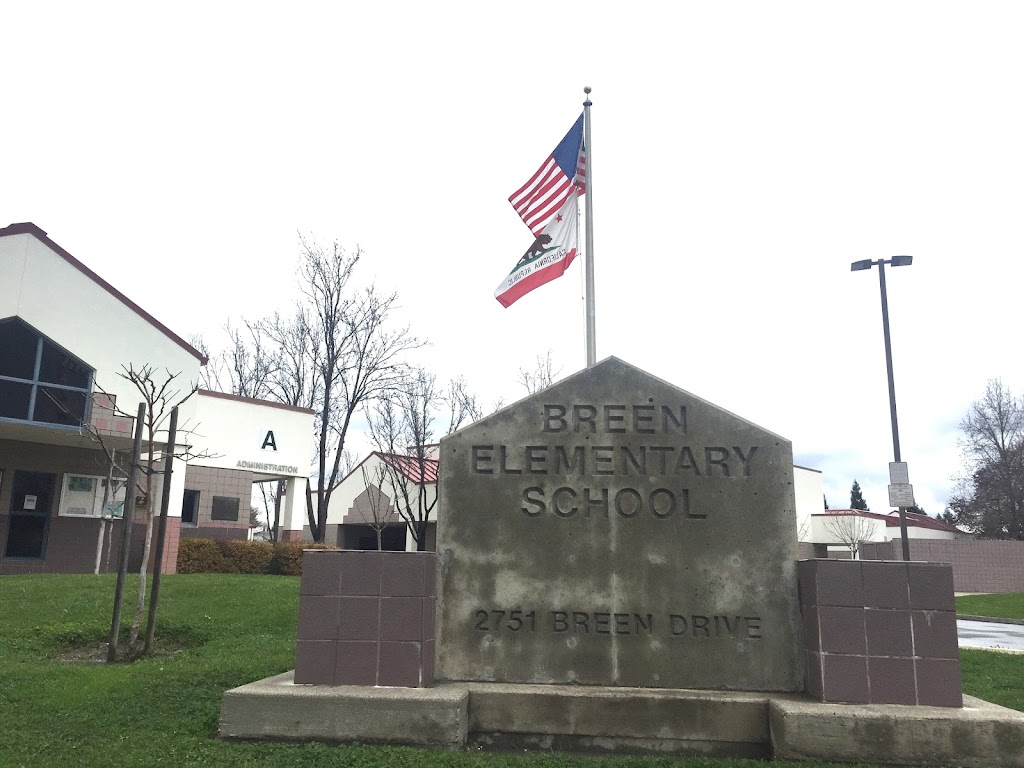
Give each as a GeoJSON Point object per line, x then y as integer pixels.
{"type": "Point", "coordinates": [28, 228]}
{"type": "Point", "coordinates": [891, 520]}
{"type": "Point", "coordinates": [255, 401]}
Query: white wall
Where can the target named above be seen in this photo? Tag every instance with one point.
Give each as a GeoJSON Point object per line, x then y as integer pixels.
{"type": "Point", "coordinates": [810, 499]}
{"type": "Point", "coordinates": [50, 294]}
{"type": "Point", "coordinates": [239, 432]}
{"type": "Point", "coordinates": [913, 532]}
{"type": "Point", "coordinates": [351, 487]}
{"type": "Point", "coordinates": [873, 530]}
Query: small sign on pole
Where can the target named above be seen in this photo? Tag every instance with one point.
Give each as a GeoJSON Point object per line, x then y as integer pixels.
{"type": "Point", "coordinates": [898, 472]}
{"type": "Point", "coordinates": [901, 495]}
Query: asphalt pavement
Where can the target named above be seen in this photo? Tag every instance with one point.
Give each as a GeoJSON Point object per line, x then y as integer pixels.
{"type": "Point", "coordinates": [990, 634]}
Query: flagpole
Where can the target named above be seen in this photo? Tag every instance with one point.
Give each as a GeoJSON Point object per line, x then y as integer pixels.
{"type": "Point", "coordinates": [588, 262]}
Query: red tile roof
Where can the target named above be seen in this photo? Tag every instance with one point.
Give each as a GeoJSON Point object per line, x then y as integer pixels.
{"type": "Point", "coordinates": [28, 228]}
{"type": "Point", "coordinates": [410, 467]}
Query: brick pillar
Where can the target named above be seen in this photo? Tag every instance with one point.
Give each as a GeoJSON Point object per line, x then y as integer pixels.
{"type": "Point", "coordinates": [366, 618]}
{"type": "Point", "coordinates": [170, 561]}
{"type": "Point", "coordinates": [880, 632]}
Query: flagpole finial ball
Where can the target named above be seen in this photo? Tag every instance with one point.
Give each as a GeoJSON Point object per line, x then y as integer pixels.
{"type": "Point", "coordinates": [586, 89]}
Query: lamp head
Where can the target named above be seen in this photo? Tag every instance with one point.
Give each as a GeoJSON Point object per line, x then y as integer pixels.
{"type": "Point", "coordinates": [857, 266]}
{"type": "Point", "coordinates": [902, 261]}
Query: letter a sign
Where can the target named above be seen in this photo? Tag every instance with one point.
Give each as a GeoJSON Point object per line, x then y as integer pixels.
{"type": "Point", "coordinates": [269, 442]}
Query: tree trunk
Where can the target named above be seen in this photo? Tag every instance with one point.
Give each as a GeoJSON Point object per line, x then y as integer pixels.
{"type": "Point", "coordinates": [108, 545]}
{"type": "Point", "coordinates": [140, 601]}
{"type": "Point", "coordinates": [99, 543]}
{"type": "Point", "coordinates": [275, 526]}
{"type": "Point", "coordinates": [421, 536]}
{"type": "Point", "coordinates": [380, 540]}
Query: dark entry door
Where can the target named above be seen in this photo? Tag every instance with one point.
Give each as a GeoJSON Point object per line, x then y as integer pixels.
{"type": "Point", "coordinates": [29, 521]}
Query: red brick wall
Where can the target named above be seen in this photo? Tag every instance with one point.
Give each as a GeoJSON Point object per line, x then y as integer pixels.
{"type": "Point", "coordinates": [978, 565]}
{"type": "Point", "coordinates": [70, 541]}
{"type": "Point", "coordinates": [71, 544]}
{"type": "Point", "coordinates": [172, 537]}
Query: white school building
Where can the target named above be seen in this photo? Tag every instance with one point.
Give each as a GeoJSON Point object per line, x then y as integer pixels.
{"type": "Point", "coordinates": [65, 336]}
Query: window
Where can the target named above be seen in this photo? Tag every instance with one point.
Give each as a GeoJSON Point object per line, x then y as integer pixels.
{"type": "Point", "coordinates": [225, 508]}
{"type": "Point", "coordinates": [39, 381]}
{"type": "Point", "coordinates": [190, 508]}
{"type": "Point", "coordinates": [82, 496]}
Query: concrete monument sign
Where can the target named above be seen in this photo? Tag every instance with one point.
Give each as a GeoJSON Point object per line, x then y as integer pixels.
{"type": "Point", "coordinates": [616, 530]}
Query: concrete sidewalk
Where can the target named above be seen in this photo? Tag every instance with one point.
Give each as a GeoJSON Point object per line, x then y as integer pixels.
{"type": "Point", "coordinates": [992, 635]}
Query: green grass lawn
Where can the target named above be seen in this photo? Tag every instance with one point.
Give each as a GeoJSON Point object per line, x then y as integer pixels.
{"type": "Point", "coordinates": [1009, 605]}
{"type": "Point", "coordinates": [163, 711]}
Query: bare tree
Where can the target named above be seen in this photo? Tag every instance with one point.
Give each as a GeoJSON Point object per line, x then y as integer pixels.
{"type": "Point", "coordinates": [851, 530]}
{"type": "Point", "coordinates": [359, 358]}
{"type": "Point", "coordinates": [272, 493]}
{"type": "Point", "coordinates": [803, 531]}
{"type": "Point", "coordinates": [246, 367]}
{"type": "Point", "coordinates": [294, 345]}
{"type": "Point", "coordinates": [402, 425]}
{"type": "Point", "coordinates": [463, 407]}
{"type": "Point", "coordinates": [297, 345]}
{"type": "Point", "coordinates": [255, 520]}
{"type": "Point", "coordinates": [542, 376]}
{"type": "Point", "coordinates": [377, 512]}
{"type": "Point", "coordinates": [336, 354]}
{"type": "Point", "coordinates": [161, 392]}
{"type": "Point", "coordinates": [989, 498]}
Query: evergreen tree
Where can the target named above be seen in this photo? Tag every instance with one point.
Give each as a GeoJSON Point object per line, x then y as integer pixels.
{"type": "Point", "coordinates": [857, 498]}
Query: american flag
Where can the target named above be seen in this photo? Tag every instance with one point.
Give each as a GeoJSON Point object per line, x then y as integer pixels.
{"type": "Point", "coordinates": [563, 173]}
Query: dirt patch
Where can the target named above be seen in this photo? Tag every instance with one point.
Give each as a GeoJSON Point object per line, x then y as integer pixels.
{"type": "Point", "coordinates": [96, 653]}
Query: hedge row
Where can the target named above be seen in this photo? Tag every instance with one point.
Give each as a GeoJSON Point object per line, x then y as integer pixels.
{"type": "Point", "coordinates": [215, 556]}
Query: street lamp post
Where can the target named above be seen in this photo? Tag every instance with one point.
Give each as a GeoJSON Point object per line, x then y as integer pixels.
{"type": "Point", "coordinates": [857, 266]}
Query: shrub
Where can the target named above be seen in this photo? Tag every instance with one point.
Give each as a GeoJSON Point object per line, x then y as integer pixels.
{"type": "Point", "coordinates": [210, 556]}
{"type": "Point", "coordinates": [247, 556]}
{"type": "Point", "coordinates": [287, 559]}
{"type": "Point", "coordinates": [200, 556]}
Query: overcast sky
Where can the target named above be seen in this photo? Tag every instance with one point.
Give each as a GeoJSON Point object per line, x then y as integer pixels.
{"type": "Point", "coordinates": [744, 153]}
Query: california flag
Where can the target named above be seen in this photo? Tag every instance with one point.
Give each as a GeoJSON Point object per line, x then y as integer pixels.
{"type": "Point", "coordinates": [549, 256]}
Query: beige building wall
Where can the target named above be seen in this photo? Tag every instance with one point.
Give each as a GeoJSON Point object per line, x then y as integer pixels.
{"type": "Point", "coordinates": [223, 484]}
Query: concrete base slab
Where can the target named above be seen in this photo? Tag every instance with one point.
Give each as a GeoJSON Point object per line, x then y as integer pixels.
{"type": "Point", "coordinates": [980, 734]}
{"type": "Point", "coordinates": [634, 720]}
{"type": "Point", "coordinates": [277, 708]}
{"type": "Point", "coordinates": [600, 719]}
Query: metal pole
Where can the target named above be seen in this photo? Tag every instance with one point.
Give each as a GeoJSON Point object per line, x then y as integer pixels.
{"type": "Point", "coordinates": [165, 503]}
{"type": "Point", "coordinates": [589, 260]}
{"type": "Point", "coordinates": [892, 398]}
{"type": "Point", "coordinates": [126, 535]}
{"type": "Point", "coordinates": [888, 361]}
